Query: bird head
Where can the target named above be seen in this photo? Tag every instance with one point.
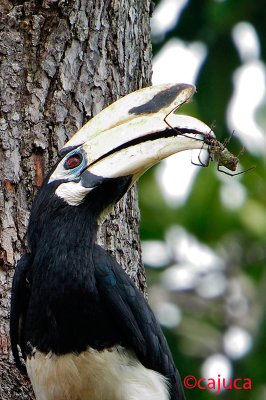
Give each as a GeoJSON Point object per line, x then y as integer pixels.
{"type": "Point", "coordinates": [108, 154]}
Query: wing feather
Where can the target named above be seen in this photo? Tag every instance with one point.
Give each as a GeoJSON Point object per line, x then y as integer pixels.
{"type": "Point", "coordinates": [19, 303]}
{"type": "Point", "coordinates": [135, 318]}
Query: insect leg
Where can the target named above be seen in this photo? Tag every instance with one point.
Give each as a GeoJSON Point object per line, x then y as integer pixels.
{"type": "Point", "coordinates": [175, 129]}
{"type": "Point", "coordinates": [236, 173]}
{"type": "Point", "coordinates": [201, 163]}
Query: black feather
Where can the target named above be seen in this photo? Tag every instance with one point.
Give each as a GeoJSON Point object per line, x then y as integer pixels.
{"type": "Point", "coordinates": [19, 303]}
{"type": "Point", "coordinates": [135, 319]}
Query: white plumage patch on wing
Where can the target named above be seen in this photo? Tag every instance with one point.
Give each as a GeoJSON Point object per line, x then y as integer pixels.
{"type": "Point", "coordinates": [113, 374]}
{"type": "Point", "coordinates": [72, 192]}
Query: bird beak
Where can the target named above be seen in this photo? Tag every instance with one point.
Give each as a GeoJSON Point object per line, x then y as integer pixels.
{"type": "Point", "coordinates": [148, 101]}
{"type": "Point", "coordinates": [138, 131]}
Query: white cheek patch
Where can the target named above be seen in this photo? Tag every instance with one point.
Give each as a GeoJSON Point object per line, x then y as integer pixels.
{"type": "Point", "coordinates": [72, 192]}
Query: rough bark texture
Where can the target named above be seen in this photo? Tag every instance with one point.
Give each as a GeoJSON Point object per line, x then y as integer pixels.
{"type": "Point", "coordinates": [61, 62]}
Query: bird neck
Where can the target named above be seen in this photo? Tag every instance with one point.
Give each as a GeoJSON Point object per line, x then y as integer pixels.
{"type": "Point", "coordinates": [62, 244]}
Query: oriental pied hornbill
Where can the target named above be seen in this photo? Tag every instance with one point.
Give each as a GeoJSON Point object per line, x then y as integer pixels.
{"type": "Point", "coordinates": [84, 329]}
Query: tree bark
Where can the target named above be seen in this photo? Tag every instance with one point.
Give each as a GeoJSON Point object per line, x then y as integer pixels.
{"type": "Point", "coordinates": [61, 62]}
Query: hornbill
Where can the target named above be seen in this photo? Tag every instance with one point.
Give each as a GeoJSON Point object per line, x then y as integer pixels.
{"type": "Point", "coordinates": [84, 329]}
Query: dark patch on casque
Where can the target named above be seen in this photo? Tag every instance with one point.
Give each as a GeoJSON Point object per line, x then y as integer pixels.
{"type": "Point", "coordinates": [160, 100]}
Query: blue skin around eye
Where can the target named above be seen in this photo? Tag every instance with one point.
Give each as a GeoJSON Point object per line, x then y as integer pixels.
{"type": "Point", "coordinates": [79, 168]}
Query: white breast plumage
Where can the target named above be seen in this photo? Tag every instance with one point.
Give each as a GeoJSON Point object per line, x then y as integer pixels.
{"type": "Point", "coordinates": [113, 374]}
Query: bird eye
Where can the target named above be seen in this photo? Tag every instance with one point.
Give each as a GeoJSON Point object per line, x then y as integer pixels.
{"type": "Point", "coordinates": [73, 161]}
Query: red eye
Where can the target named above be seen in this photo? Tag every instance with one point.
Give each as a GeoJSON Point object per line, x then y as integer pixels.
{"type": "Point", "coordinates": [73, 161]}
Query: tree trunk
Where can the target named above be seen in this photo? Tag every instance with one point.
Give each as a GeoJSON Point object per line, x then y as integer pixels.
{"type": "Point", "coordinates": [62, 61]}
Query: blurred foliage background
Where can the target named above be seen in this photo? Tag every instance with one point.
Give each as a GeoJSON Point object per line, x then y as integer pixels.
{"type": "Point", "coordinates": [205, 253]}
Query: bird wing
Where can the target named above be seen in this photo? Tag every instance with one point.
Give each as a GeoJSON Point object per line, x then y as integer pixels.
{"type": "Point", "coordinates": [135, 319]}
{"type": "Point", "coordinates": [19, 303]}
